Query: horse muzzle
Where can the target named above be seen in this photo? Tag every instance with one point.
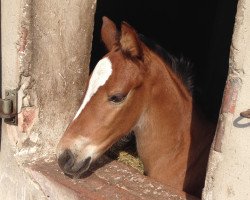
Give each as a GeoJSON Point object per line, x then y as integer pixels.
{"type": "Point", "coordinates": [70, 165]}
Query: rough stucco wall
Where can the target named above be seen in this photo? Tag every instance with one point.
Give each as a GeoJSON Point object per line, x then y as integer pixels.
{"type": "Point", "coordinates": [9, 35]}
{"type": "Point", "coordinates": [45, 54]}
{"type": "Point", "coordinates": [53, 55]}
{"type": "Point", "coordinates": [62, 35]}
{"type": "Point", "coordinates": [15, 184]}
{"type": "Point", "coordinates": [228, 174]}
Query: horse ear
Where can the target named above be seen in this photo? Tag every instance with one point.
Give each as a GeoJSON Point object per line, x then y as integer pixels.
{"type": "Point", "coordinates": [129, 41]}
{"type": "Point", "coordinates": [108, 33]}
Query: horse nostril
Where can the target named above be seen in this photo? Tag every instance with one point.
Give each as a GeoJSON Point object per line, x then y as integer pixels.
{"type": "Point", "coordinates": [66, 160]}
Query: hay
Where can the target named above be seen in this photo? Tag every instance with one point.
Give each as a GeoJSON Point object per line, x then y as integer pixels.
{"type": "Point", "coordinates": [131, 160]}
{"type": "Point", "coordinates": [125, 151]}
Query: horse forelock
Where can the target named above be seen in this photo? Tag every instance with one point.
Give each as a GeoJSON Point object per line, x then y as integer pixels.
{"type": "Point", "coordinates": [99, 77]}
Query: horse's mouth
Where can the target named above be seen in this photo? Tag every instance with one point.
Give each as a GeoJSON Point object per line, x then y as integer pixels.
{"type": "Point", "coordinates": [81, 167]}
{"type": "Point", "coordinates": [69, 165]}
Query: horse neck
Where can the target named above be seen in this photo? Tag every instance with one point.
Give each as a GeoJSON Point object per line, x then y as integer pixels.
{"type": "Point", "coordinates": [163, 131]}
{"type": "Point", "coordinates": [173, 138]}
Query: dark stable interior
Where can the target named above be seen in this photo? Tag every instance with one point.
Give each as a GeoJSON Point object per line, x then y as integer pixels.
{"type": "Point", "coordinates": [198, 30]}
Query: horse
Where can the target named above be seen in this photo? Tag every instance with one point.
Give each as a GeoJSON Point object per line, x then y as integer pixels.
{"type": "Point", "coordinates": [133, 88]}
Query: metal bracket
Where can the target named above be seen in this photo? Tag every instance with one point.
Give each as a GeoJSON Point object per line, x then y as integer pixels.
{"type": "Point", "coordinates": [8, 107]}
{"type": "Point", "coordinates": [245, 114]}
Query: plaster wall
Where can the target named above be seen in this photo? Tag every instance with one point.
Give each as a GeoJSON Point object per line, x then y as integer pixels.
{"type": "Point", "coordinates": [57, 37]}
{"type": "Point", "coordinates": [46, 52]}
{"type": "Point", "coordinates": [45, 55]}
{"type": "Point", "coordinates": [61, 41]}
{"type": "Point", "coordinates": [14, 183]}
{"type": "Point", "coordinates": [228, 174]}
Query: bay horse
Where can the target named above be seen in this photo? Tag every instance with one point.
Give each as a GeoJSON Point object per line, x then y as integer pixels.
{"type": "Point", "coordinates": [134, 88]}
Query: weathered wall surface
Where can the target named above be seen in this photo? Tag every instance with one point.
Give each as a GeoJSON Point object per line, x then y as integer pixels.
{"type": "Point", "coordinates": [228, 174]}
{"type": "Point", "coordinates": [62, 36]}
{"type": "Point", "coordinates": [14, 182]}
{"type": "Point", "coordinates": [51, 47]}
{"type": "Point", "coordinates": [57, 37]}
{"type": "Point", "coordinates": [45, 55]}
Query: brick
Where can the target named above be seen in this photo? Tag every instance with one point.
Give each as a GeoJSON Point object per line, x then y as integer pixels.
{"type": "Point", "coordinates": [107, 179]}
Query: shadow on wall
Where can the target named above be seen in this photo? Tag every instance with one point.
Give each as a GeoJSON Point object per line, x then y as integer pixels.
{"type": "Point", "coordinates": [199, 30]}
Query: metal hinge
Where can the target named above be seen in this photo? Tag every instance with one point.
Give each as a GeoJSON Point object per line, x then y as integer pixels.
{"type": "Point", "coordinates": [8, 107]}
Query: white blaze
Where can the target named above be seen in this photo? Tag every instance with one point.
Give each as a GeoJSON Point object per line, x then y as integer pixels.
{"type": "Point", "coordinates": [100, 75]}
{"type": "Point", "coordinates": [84, 148]}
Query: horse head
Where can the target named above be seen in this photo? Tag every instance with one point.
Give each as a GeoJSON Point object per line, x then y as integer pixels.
{"type": "Point", "coordinates": [112, 103]}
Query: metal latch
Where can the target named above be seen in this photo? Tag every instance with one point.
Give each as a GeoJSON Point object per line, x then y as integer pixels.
{"type": "Point", "coordinates": [8, 107]}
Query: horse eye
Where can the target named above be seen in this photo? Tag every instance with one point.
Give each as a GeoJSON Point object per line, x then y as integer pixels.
{"type": "Point", "coordinates": [117, 98]}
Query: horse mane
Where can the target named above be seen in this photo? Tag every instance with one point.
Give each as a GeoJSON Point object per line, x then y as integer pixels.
{"type": "Point", "coordinates": [180, 65]}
